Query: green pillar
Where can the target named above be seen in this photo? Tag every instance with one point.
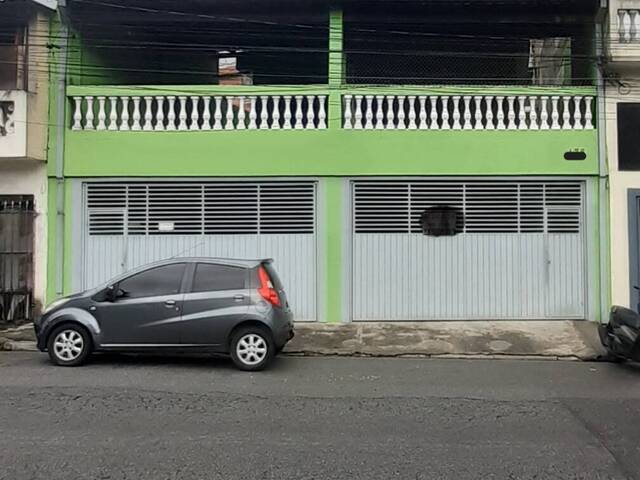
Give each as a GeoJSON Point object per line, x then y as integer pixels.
{"type": "Point", "coordinates": [336, 68]}
{"type": "Point", "coordinates": [333, 220]}
{"type": "Point", "coordinates": [333, 212]}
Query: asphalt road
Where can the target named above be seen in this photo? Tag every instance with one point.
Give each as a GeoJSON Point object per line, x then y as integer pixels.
{"type": "Point", "coordinates": [318, 418]}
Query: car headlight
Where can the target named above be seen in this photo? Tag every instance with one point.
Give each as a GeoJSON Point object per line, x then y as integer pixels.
{"type": "Point", "coordinates": [55, 304]}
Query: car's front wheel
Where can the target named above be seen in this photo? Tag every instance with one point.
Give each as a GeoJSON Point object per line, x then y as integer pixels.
{"type": "Point", "coordinates": [69, 345]}
{"type": "Point", "coordinates": [252, 348]}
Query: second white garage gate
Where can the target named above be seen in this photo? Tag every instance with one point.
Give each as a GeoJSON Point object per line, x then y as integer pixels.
{"type": "Point", "coordinates": [127, 224]}
{"type": "Point", "coordinates": [519, 254]}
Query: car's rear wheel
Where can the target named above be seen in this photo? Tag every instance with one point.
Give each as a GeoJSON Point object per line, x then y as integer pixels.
{"type": "Point", "coordinates": [69, 345]}
{"type": "Point", "coordinates": [252, 348]}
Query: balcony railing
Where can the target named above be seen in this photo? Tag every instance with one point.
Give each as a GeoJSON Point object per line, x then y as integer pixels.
{"type": "Point", "coordinates": [629, 25]}
{"type": "Point", "coordinates": [13, 123]}
{"type": "Point", "coordinates": [155, 109]}
{"type": "Point", "coordinates": [468, 112]}
{"type": "Point", "coordinates": [200, 112]}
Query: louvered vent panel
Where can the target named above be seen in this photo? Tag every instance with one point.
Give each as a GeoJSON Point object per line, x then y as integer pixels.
{"type": "Point", "coordinates": [107, 207]}
{"type": "Point", "coordinates": [215, 208]}
{"type": "Point", "coordinates": [487, 206]}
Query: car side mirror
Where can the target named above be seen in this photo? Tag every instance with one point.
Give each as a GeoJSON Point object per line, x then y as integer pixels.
{"type": "Point", "coordinates": [110, 293]}
{"type": "Point", "coordinates": [113, 293]}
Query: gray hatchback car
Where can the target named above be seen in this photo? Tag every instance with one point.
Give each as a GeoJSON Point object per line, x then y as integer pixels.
{"type": "Point", "coordinates": [181, 305]}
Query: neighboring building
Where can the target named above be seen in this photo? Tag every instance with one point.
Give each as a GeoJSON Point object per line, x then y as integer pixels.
{"type": "Point", "coordinates": [623, 148]}
{"type": "Point", "coordinates": [24, 116]}
{"type": "Point", "coordinates": [326, 140]}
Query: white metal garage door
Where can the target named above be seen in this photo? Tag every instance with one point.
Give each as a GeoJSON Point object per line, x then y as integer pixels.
{"type": "Point", "coordinates": [130, 224]}
{"type": "Point", "coordinates": [520, 254]}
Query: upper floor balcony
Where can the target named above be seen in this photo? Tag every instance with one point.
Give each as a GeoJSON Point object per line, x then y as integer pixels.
{"type": "Point", "coordinates": [163, 109]}
{"type": "Point", "coordinates": [313, 90]}
{"type": "Point", "coordinates": [24, 79]}
{"type": "Point", "coordinates": [13, 124]}
{"type": "Point", "coordinates": [315, 130]}
{"type": "Point", "coordinates": [624, 27]}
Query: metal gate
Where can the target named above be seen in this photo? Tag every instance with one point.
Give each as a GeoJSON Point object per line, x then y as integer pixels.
{"type": "Point", "coordinates": [130, 224]}
{"type": "Point", "coordinates": [519, 254]}
{"type": "Point", "coordinates": [16, 257]}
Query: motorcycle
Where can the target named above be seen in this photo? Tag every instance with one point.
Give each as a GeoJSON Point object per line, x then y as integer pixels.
{"type": "Point", "coordinates": [621, 336]}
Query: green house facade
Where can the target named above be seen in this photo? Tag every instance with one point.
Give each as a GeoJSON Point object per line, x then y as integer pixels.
{"type": "Point", "coordinates": [326, 150]}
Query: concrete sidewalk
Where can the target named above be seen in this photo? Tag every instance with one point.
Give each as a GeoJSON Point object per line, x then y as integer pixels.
{"type": "Point", "coordinates": [553, 339]}
{"type": "Point", "coordinates": [547, 339]}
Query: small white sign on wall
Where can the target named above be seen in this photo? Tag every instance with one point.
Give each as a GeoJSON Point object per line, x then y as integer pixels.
{"type": "Point", "coordinates": [165, 226]}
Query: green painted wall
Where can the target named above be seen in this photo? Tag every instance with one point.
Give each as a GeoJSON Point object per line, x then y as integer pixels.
{"type": "Point", "coordinates": [329, 152]}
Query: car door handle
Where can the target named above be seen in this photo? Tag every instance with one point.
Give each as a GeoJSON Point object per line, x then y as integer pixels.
{"type": "Point", "coordinates": [238, 298]}
{"type": "Point", "coordinates": [170, 303]}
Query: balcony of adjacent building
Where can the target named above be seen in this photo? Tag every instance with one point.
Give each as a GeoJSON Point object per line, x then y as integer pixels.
{"type": "Point", "coordinates": [355, 90]}
{"type": "Point", "coordinates": [24, 80]}
{"type": "Point", "coordinates": [624, 33]}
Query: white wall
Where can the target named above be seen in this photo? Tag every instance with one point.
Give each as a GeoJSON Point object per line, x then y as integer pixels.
{"type": "Point", "coordinates": [619, 184]}
{"type": "Point", "coordinates": [24, 177]}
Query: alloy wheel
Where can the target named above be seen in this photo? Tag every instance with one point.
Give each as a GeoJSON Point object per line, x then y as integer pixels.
{"type": "Point", "coordinates": [68, 345]}
{"type": "Point", "coordinates": [251, 349]}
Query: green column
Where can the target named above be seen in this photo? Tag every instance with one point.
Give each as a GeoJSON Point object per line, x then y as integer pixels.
{"type": "Point", "coordinates": [333, 215]}
{"type": "Point", "coordinates": [336, 68]}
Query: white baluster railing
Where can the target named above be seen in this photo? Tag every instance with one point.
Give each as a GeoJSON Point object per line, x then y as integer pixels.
{"type": "Point", "coordinates": [488, 101]}
{"type": "Point", "coordinates": [412, 112]}
{"type": "Point", "coordinates": [629, 25]}
{"type": "Point", "coordinates": [310, 112]}
{"type": "Point", "coordinates": [469, 112]}
{"type": "Point", "coordinates": [101, 114]}
{"type": "Point", "coordinates": [275, 113]}
{"type": "Point", "coordinates": [228, 118]}
{"type": "Point", "coordinates": [182, 115]}
{"type": "Point", "coordinates": [89, 117]}
{"type": "Point", "coordinates": [298, 113]}
{"type": "Point", "coordinates": [422, 114]}
{"type": "Point", "coordinates": [391, 115]}
{"type": "Point", "coordinates": [379, 112]}
{"type": "Point", "coordinates": [368, 124]}
{"type": "Point", "coordinates": [206, 113]}
{"type": "Point", "coordinates": [148, 114]}
{"type": "Point", "coordinates": [199, 112]}
{"type": "Point", "coordinates": [113, 113]}
{"type": "Point", "coordinates": [264, 112]}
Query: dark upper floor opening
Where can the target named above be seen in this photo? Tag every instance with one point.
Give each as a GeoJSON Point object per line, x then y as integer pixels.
{"type": "Point", "coordinates": [260, 42]}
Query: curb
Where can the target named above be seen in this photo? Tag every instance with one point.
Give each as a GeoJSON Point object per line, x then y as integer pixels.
{"type": "Point", "coordinates": [20, 338]}
{"type": "Point", "coordinates": [18, 346]}
{"type": "Point", "coordinates": [451, 356]}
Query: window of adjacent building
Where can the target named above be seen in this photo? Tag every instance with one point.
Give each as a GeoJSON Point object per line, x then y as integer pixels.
{"type": "Point", "coordinates": [159, 281]}
{"type": "Point", "coordinates": [210, 278]}
{"type": "Point", "coordinates": [12, 59]}
{"type": "Point", "coordinates": [628, 138]}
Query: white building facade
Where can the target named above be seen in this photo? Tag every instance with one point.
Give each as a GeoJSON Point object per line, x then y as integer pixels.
{"type": "Point", "coordinates": [24, 119]}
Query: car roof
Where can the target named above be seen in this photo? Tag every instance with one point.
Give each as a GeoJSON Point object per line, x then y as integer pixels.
{"type": "Point", "coordinates": [239, 262]}
{"type": "Point", "coordinates": [235, 262]}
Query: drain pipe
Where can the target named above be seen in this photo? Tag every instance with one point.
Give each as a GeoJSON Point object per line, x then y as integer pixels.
{"type": "Point", "coordinates": [603, 171]}
{"type": "Point", "coordinates": [61, 80]}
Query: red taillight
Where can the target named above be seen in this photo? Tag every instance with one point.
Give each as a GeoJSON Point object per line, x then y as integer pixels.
{"type": "Point", "coordinates": [266, 289]}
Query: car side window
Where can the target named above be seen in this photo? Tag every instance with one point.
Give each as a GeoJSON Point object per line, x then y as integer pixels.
{"type": "Point", "coordinates": [165, 280]}
{"type": "Point", "coordinates": [210, 277]}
